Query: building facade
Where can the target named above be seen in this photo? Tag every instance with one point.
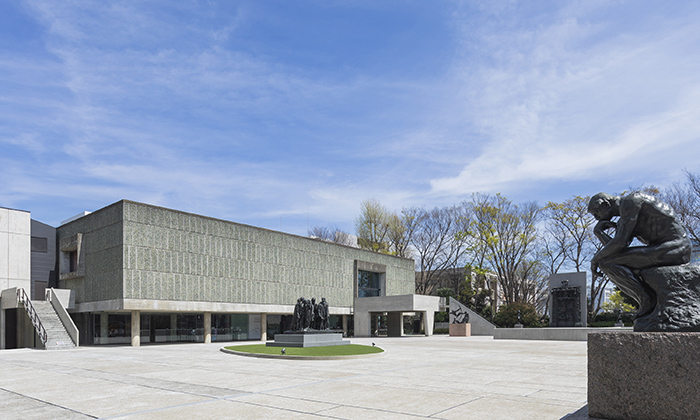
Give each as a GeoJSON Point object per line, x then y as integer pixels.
{"type": "Point", "coordinates": [141, 273]}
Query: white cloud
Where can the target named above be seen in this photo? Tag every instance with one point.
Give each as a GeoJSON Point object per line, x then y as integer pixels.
{"type": "Point", "coordinates": [561, 104]}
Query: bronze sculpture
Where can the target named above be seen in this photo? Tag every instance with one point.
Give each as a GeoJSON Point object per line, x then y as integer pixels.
{"type": "Point", "coordinates": [656, 273]}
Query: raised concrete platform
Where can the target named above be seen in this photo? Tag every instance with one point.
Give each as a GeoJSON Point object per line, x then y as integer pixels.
{"type": "Point", "coordinates": [644, 376]}
{"type": "Point", "coordinates": [556, 334]}
{"type": "Point", "coordinates": [309, 339]}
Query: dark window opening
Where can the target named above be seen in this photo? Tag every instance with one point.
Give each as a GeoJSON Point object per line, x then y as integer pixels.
{"type": "Point", "coordinates": [73, 261]}
{"type": "Point", "coordinates": [40, 244]}
{"type": "Point", "coordinates": [368, 284]}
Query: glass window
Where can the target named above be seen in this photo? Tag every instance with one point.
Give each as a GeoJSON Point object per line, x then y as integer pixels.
{"type": "Point", "coordinates": [229, 327]}
{"type": "Point", "coordinates": [367, 284]}
{"type": "Point", "coordinates": [116, 331]}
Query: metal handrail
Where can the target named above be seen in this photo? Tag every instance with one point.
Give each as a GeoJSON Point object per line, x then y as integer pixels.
{"type": "Point", "coordinates": [33, 316]}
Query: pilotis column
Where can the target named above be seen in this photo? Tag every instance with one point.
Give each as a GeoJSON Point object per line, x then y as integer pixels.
{"type": "Point", "coordinates": [135, 328]}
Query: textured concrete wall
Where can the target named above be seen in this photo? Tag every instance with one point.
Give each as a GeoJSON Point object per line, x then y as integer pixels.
{"type": "Point", "coordinates": [15, 246]}
{"type": "Point", "coordinates": [171, 255]}
{"type": "Point", "coordinates": [101, 254]}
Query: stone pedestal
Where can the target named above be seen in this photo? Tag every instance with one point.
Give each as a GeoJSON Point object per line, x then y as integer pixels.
{"type": "Point", "coordinates": [643, 376]}
{"type": "Point", "coordinates": [311, 338]}
{"type": "Point", "coordinates": [461, 330]}
{"type": "Point", "coordinates": [677, 307]}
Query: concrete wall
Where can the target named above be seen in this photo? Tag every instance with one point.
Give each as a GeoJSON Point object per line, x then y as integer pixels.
{"type": "Point", "coordinates": [43, 260]}
{"type": "Point", "coordinates": [557, 334]}
{"type": "Point", "coordinates": [99, 239]}
{"type": "Point", "coordinates": [154, 253]}
{"type": "Point", "coordinates": [15, 245]}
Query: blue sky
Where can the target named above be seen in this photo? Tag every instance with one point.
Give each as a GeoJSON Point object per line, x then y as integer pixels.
{"type": "Point", "coordinates": [287, 114]}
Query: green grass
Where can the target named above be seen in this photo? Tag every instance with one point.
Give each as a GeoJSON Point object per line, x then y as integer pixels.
{"type": "Point", "coordinates": [346, 350]}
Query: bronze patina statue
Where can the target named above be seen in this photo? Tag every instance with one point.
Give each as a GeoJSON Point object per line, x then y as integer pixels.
{"type": "Point", "coordinates": [655, 273]}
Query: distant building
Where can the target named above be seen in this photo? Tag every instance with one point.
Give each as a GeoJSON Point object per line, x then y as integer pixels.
{"type": "Point", "coordinates": [452, 278]}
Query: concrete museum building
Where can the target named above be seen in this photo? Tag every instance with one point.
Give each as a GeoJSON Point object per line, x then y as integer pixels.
{"type": "Point", "coordinates": [133, 273]}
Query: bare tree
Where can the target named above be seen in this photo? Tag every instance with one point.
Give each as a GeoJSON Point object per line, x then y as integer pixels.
{"type": "Point", "coordinates": [507, 233]}
{"type": "Point", "coordinates": [322, 233]}
{"type": "Point", "coordinates": [568, 242]}
{"type": "Point", "coordinates": [332, 234]}
{"type": "Point", "coordinates": [685, 200]}
{"type": "Point", "coordinates": [439, 242]}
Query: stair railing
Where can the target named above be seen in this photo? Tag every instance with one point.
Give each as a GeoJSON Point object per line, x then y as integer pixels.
{"type": "Point", "coordinates": [68, 323]}
{"type": "Point", "coordinates": [33, 316]}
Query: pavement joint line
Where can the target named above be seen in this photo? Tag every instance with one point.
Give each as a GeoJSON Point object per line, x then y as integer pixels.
{"type": "Point", "coordinates": [455, 406]}
{"type": "Point", "coordinates": [104, 376]}
{"type": "Point", "coordinates": [232, 398]}
{"type": "Point", "coordinates": [294, 411]}
{"type": "Point", "coordinates": [49, 403]}
{"type": "Point", "coordinates": [373, 409]}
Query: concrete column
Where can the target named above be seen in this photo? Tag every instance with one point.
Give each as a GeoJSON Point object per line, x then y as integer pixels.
{"type": "Point", "coordinates": [345, 325]}
{"type": "Point", "coordinates": [395, 324]}
{"type": "Point", "coordinates": [173, 327]}
{"type": "Point", "coordinates": [207, 327]}
{"type": "Point", "coordinates": [2, 329]}
{"type": "Point", "coordinates": [428, 321]}
{"type": "Point", "coordinates": [363, 324]}
{"type": "Point", "coordinates": [263, 327]}
{"type": "Point", "coordinates": [104, 328]}
{"type": "Point", "coordinates": [135, 328]}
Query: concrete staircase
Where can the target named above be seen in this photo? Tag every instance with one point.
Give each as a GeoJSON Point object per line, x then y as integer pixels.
{"type": "Point", "coordinates": [58, 337]}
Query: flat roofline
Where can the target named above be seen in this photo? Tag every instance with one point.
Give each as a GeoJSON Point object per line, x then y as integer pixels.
{"type": "Point", "coordinates": [9, 208]}
{"type": "Point", "coordinates": [229, 221]}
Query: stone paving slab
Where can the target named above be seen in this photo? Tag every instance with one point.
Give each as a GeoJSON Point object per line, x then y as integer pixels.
{"type": "Point", "coordinates": [435, 377]}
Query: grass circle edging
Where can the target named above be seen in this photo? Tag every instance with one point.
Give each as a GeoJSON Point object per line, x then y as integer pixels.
{"type": "Point", "coordinates": [285, 356]}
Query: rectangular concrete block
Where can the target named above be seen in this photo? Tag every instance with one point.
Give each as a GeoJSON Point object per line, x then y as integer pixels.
{"type": "Point", "coordinates": [461, 330]}
{"type": "Point", "coordinates": [644, 376]}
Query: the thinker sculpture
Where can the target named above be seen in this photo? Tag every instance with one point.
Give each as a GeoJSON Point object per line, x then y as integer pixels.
{"type": "Point", "coordinates": [656, 274]}
{"type": "Point", "coordinates": [308, 315]}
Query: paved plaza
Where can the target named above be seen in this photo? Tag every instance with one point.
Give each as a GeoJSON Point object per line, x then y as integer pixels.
{"type": "Point", "coordinates": [435, 377]}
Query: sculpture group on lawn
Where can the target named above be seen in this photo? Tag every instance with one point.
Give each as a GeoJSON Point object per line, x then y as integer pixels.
{"type": "Point", "coordinates": [655, 274]}
{"type": "Point", "coordinates": [308, 315]}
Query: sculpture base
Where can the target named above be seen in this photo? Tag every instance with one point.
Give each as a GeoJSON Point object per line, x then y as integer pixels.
{"type": "Point", "coordinates": [677, 299]}
{"type": "Point", "coordinates": [309, 338]}
{"type": "Point", "coordinates": [461, 330]}
{"type": "Point", "coordinates": [643, 375]}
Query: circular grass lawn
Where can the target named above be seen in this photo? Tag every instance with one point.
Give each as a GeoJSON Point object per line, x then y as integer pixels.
{"type": "Point", "coordinates": [327, 352]}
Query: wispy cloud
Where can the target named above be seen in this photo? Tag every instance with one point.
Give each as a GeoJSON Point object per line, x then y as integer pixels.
{"type": "Point", "coordinates": [259, 114]}
{"type": "Point", "coordinates": [562, 101]}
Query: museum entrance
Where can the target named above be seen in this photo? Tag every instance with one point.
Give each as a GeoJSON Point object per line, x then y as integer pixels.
{"type": "Point", "coordinates": [379, 322]}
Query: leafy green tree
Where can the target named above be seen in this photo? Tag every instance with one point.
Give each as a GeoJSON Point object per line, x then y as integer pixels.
{"type": "Point", "coordinates": [506, 234]}
{"type": "Point", "coordinates": [372, 226]}
{"type": "Point", "coordinates": [507, 315]}
{"type": "Point", "coordinates": [619, 301]}
{"type": "Point", "coordinates": [475, 299]}
{"type": "Point", "coordinates": [446, 292]}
